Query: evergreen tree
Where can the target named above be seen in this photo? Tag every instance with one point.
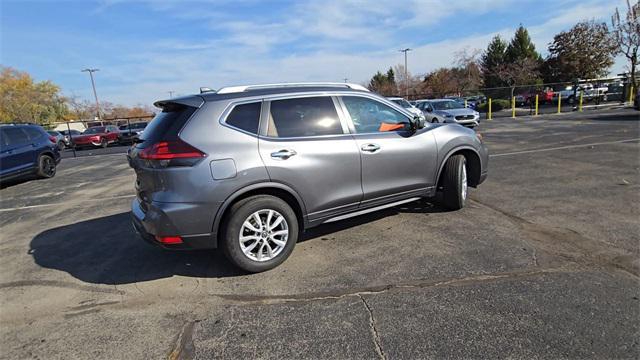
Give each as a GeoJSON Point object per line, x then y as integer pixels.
{"type": "Point", "coordinates": [391, 76]}
{"type": "Point", "coordinates": [521, 47]}
{"type": "Point", "coordinates": [492, 58]}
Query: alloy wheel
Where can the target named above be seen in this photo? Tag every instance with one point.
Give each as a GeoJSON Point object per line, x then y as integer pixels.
{"type": "Point", "coordinates": [263, 235]}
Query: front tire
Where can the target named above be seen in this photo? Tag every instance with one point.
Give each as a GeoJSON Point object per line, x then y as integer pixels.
{"type": "Point", "coordinates": [260, 233]}
{"type": "Point", "coordinates": [104, 143]}
{"type": "Point", "coordinates": [434, 120]}
{"type": "Point", "coordinates": [46, 167]}
{"type": "Point", "coordinates": [455, 183]}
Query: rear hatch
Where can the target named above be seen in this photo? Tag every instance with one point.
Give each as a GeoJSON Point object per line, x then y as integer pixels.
{"type": "Point", "coordinates": [159, 151]}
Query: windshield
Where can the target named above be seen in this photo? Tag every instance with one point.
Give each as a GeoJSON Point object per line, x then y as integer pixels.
{"type": "Point", "coordinates": [94, 130]}
{"type": "Point", "coordinates": [447, 105]}
{"type": "Point", "coordinates": [402, 102]}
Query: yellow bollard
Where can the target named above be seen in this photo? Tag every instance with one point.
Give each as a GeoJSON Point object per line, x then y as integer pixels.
{"type": "Point", "coordinates": [489, 117]}
{"type": "Point", "coordinates": [536, 104]}
{"type": "Point", "coordinates": [559, 102]}
{"type": "Point", "coordinates": [513, 107]}
{"type": "Point", "coordinates": [580, 103]}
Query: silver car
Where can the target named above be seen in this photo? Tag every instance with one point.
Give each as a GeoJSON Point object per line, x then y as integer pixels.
{"type": "Point", "coordinates": [449, 111]}
{"type": "Point", "coordinates": [246, 169]}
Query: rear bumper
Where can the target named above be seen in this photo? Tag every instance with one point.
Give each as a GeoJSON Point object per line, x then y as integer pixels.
{"type": "Point", "coordinates": [157, 221]}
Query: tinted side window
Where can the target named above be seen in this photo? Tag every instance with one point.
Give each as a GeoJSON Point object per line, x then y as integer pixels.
{"type": "Point", "coordinates": [245, 117]}
{"type": "Point", "coordinates": [33, 133]}
{"type": "Point", "coordinates": [15, 136]}
{"type": "Point", "coordinates": [370, 116]}
{"type": "Point", "coordinates": [312, 116]}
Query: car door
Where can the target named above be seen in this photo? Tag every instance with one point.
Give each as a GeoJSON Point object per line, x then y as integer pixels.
{"type": "Point", "coordinates": [397, 162]}
{"type": "Point", "coordinates": [16, 154]}
{"type": "Point", "coordinates": [306, 145]}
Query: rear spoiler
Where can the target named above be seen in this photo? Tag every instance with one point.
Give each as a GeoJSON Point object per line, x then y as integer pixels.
{"type": "Point", "coordinates": [192, 101]}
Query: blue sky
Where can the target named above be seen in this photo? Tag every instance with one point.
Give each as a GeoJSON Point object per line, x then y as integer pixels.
{"type": "Point", "coordinates": [146, 48]}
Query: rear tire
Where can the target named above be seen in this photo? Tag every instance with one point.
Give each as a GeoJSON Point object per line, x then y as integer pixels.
{"type": "Point", "coordinates": [260, 241]}
{"type": "Point", "coordinates": [46, 167]}
{"type": "Point", "coordinates": [104, 143]}
{"type": "Point", "coordinates": [434, 120]}
{"type": "Point", "coordinates": [455, 183]}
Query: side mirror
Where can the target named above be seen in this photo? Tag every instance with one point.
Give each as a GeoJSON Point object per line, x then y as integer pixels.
{"type": "Point", "coordinates": [429, 109]}
{"type": "Point", "coordinates": [418, 123]}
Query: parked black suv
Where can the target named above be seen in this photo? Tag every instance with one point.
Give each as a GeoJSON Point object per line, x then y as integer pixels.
{"type": "Point", "coordinates": [27, 149]}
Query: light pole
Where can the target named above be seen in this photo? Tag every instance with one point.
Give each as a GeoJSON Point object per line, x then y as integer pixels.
{"type": "Point", "coordinates": [346, 80]}
{"type": "Point", "coordinates": [93, 84]}
{"type": "Point", "coordinates": [406, 72]}
{"type": "Point", "coordinates": [170, 94]}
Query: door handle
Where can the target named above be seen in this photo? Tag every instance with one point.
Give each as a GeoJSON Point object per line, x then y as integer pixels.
{"type": "Point", "coordinates": [283, 154]}
{"type": "Point", "coordinates": [370, 147]}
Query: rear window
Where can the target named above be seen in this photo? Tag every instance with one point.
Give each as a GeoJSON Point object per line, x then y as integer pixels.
{"type": "Point", "coordinates": [245, 117]}
{"type": "Point", "coordinates": [167, 124]}
{"type": "Point", "coordinates": [33, 132]}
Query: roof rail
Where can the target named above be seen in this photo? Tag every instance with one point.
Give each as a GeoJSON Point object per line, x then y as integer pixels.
{"type": "Point", "coordinates": [237, 89]}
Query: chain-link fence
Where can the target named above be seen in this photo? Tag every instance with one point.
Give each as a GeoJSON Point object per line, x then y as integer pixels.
{"type": "Point", "coordinates": [539, 99]}
{"type": "Point", "coordinates": [97, 137]}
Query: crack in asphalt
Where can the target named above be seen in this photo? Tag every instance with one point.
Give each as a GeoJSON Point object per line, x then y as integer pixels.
{"type": "Point", "coordinates": [183, 348]}
{"type": "Point", "coordinates": [59, 284]}
{"type": "Point", "coordinates": [374, 330]}
{"type": "Point", "coordinates": [374, 290]}
{"type": "Point", "coordinates": [569, 244]}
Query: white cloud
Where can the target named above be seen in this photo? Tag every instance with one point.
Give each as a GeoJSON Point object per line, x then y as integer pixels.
{"type": "Point", "coordinates": [334, 34]}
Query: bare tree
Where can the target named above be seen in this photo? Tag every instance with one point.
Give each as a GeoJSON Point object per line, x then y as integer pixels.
{"type": "Point", "coordinates": [401, 82]}
{"type": "Point", "coordinates": [521, 72]}
{"type": "Point", "coordinates": [468, 64]}
{"type": "Point", "coordinates": [626, 32]}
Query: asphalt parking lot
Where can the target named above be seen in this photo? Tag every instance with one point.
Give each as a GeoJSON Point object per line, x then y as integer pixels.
{"type": "Point", "coordinates": [543, 263]}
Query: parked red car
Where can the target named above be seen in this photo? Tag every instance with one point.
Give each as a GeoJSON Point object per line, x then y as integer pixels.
{"type": "Point", "coordinates": [99, 136]}
{"type": "Point", "coordinates": [544, 97]}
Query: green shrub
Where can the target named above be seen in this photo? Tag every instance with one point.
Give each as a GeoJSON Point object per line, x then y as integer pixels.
{"type": "Point", "coordinates": [496, 105]}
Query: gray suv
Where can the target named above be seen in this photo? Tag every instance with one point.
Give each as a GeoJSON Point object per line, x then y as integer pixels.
{"type": "Point", "coordinates": [248, 168]}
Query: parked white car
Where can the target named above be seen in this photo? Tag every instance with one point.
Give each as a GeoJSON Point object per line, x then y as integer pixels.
{"type": "Point", "coordinates": [405, 104]}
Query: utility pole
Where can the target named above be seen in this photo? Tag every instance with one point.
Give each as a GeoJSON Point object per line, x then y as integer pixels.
{"type": "Point", "coordinates": [170, 94]}
{"type": "Point", "coordinates": [406, 72]}
{"type": "Point", "coordinates": [93, 84]}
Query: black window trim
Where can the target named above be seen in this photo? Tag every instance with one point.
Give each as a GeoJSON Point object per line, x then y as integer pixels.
{"type": "Point", "coordinates": [266, 108]}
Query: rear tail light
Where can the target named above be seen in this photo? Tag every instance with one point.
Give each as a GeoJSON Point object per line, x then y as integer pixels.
{"type": "Point", "coordinates": [169, 240]}
{"type": "Point", "coordinates": [53, 139]}
{"type": "Point", "coordinates": [168, 150]}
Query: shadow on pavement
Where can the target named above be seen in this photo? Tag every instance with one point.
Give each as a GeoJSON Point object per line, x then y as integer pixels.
{"type": "Point", "coordinates": [634, 116]}
{"type": "Point", "coordinates": [107, 250]}
{"type": "Point", "coordinates": [17, 181]}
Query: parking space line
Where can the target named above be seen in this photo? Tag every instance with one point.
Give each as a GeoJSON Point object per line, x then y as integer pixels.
{"type": "Point", "coordinates": [65, 203]}
{"type": "Point", "coordinates": [563, 147]}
